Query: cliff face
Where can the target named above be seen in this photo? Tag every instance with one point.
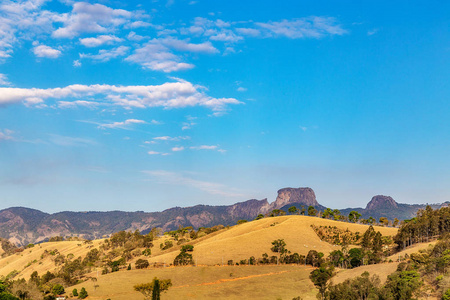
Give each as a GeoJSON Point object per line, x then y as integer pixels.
{"type": "Point", "coordinates": [304, 196]}
{"type": "Point", "coordinates": [381, 202]}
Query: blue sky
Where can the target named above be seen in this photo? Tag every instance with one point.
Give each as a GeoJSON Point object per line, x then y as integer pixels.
{"type": "Point", "coordinates": [146, 105]}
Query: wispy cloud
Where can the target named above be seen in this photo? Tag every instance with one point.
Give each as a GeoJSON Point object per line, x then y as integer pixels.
{"type": "Point", "coordinates": [4, 80]}
{"type": "Point", "coordinates": [173, 178]}
{"type": "Point", "coordinates": [6, 135]}
{"type": "Point", "coordinates": [122, 125]}
{"type": "Point", "coordinates": [311, 27]}
{"type": "Point", "coordinates": [177, 149]}
{"type": "Point", "coordinates": [208, 147]}
{"type": "Point", "coordinates": [157, 153]}
{"type": "Point", "coordinates": [372, 32]}
{"type": "Point", "coordinates": [105, 55]}
{"type": "Point", "coordinates": [68, 141]}
{"type": "Point", "coordinates": [204, 147]}
{"type": "Point", "coordinates": [169, 138]}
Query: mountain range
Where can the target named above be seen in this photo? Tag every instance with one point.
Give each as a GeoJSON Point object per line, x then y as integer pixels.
{"type": "Point", "coordinates": [22, 225]}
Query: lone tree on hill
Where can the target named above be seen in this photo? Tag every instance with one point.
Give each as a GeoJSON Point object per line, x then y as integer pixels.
{"type": "Point", "coordinates": [184, 258]}
{"type": "Point", "coordinates": [152, 290]}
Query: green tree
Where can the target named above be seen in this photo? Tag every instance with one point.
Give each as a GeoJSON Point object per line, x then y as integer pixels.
{"type": "Point", "coordinates": [141, 264]}
{"type": "Point", "coordinates": [57, 289]}
{"type": "Point", "coordinates": [153, 289]}
{"type": "Point", "coordinates": [184, 258]}
{"type": "Point", "coordinates": [354, 216]}
{"type": "Point", "coordinates": [75, 292]}
{"type": "Point", "coordinates": [259, 217]}
{"type": "Point", "coordinates": [293, 209]}
{"type": "Point", "coordinates": [312, 211]}
{"type": "Point", "coordinates": [327, 213]}
{"type": "Point", "coordinates": [446, 295]}
{"type": "Point", "coordinates": [384, 221]}
{"type": "Point", "coordinates": [320, 278]}
{"type": "Point", "coordinates": [404, 285]}
{"type": "Point", "coordinates": [83, 293]}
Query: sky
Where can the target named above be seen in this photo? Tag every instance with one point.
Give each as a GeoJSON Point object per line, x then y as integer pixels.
{"type": "Point", "coordinates": [147, 105]}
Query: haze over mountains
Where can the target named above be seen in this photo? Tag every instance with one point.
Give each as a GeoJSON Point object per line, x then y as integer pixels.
{"type": "Point", "coordinates": [24, 225]}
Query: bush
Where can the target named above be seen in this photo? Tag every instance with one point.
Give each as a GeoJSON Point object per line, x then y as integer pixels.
{"type": "Point", "coordinates": [58, 289]}
{"type": "Point", "coordinates": [75, 292]}
{"type": "Point", "coordinates": [83, 294]}
{"type": "Point", "coordinates": [147, 252]}
{"type": "Point", "coordinates": [141, 264]}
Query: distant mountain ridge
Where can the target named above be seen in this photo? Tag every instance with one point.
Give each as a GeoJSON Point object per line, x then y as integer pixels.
{"type": "Point", "coordinates": [24, 225]}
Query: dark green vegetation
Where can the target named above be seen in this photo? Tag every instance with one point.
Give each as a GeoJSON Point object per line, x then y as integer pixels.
{"type": "Point", "coordinates": [427, 225]}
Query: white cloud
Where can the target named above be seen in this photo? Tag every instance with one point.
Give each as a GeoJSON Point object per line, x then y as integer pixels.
{"type": "Point", "coordinates": [122, 125]}
{"type": "Point", "coordinates": [150, 142]}
{"type": "Point", "coordinates": [168, 95]}
{"type": "Point", "coordinates": [241, 89]}
{"type": "Point", "coordinates": [78, 103]}
{"type": "Point", "coordinates": [173, 178]}
{"type": "Point", "coordinates": [90, 18]}
{"type": "Point", "coordinates": [4, 80]}
{"type": "Point", "coordinates": [46, 51]}
{"type": "Point", "coordinates": [176, 149]}
{"type": "Point", "coordinates": [154, 122]}
{"type": "Point", "coordinates": [252, 32]}
{"type": "Point", "coordinates": [6, 135]}
{"type": "Point", "coordinates": [187, 125]}
{"type": "Point", "coordinates": [169, 138]}
{"type": "Point", "coordinates": [181, 45]}
{"type": "Point", "coordinates": [158, 57]}
{"type": "Point", "coordinates": [76, 63]}
{"type": "Point", "coordinates": [153, 153]}
{"type": "Point", "coordinates": [106, 55]}
{"type": "Point", "coordinates": [311, 27]}
{"type": "Point", "coordinates": [372, 32]}
{"type": "Point", "coordinates": [132, 36]}
{"type": "Point", "coordinates": [204, 147]}
{"type": "Point", "coordinates": [100, 40]}
{"type": "Point", "coordinates": [138, 24]}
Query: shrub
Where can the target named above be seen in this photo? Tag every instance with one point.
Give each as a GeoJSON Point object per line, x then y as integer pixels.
{"type": "Point", "coordinates": [83, 294]}
{"type": "Point", "coordinates": [141, 264]}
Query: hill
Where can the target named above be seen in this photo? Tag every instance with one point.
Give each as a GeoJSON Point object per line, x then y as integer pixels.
{"type": "Point", "coordinates": [209, 278]}
{"type": "Point", "coordinates": [24, 225]}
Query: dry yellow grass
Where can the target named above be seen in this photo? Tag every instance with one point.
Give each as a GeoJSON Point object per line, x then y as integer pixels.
{"type": "Point", "coordinates": [29, 260]}
{"type": "Point", "coordinates": [208, 281]}
{"type": "Point", "coordinates": [237, 282]}
{"type": "Point", "coordinates": [255, 238]}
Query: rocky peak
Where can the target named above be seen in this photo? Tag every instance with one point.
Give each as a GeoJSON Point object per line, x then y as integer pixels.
{"type": "Point", "coordinates": [381, 202]}
{"type": "Point", "coordinates": [305, 196]}
{"type": "Point", "coordinates": [248, 209]}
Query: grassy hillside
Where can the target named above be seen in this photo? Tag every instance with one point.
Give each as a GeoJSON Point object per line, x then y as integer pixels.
{"type": "Point", "coordinates": [208, 279]}
{"type": "Point", "coordinates": [237, 282]}
{"type": "Point", "coordinates": [35, 259]}
{"type": "Point", "coordinates": [255, 238]}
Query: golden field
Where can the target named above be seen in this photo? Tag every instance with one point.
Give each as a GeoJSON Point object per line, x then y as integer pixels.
{"type": "Point", "coordinates": [209, 279]}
